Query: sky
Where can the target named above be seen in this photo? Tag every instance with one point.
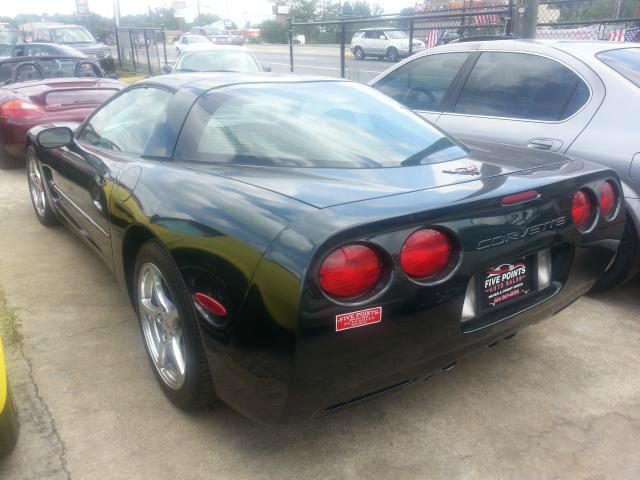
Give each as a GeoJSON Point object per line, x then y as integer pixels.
{"type": "Point", "coordinates": [239, 11]}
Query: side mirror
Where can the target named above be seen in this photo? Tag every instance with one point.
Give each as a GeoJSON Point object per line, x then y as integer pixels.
{"type": "Point", "coordinates": [167, 69]}
{"type": "Point", "coordinates": [382, 37]}
{"type": "Point", "coordinates": [266, 68]}
{"type": "Point", "coordinates": [55, 137]}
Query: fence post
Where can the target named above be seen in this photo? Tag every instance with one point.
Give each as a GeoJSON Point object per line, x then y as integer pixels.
{"type": "Point", "coordinates": [411, 36]}
{"type": "Point", "coordinates": [164, 44]}
{"type": "Point", "coordinates": [133, 52]}
{"type": "Point", "coordinates": [290, 44]}
{"type": "Point", "coordinates": [118, 46]}
{"type": "Point", "coordinates": [508, 25]}
{"type": "Point", "coordinates": [146, 46]}
{"type": "Point", "coordinates": [343, 41]}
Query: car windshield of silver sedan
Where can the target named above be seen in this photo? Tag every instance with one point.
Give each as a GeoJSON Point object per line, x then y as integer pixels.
{"type": "Point", "coordinates": [625, 61]}
{"type": "Point", "coordinates": [310, 124]}
{"type": "Point", "coordinates": [217, 61]}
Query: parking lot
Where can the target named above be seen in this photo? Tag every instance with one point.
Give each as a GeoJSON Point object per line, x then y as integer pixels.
{"type": "Point", "coordinates": [560, 400]}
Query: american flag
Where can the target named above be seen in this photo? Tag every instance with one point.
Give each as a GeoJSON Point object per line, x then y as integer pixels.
{"type": "Point", "coordinates": [433, 37]}
{"type": "Point", "coordinates": [485, 19]}
{"type": "Point", "coordinates": [627, 35]}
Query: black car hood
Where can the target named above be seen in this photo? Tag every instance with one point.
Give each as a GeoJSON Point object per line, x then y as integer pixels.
{"type": "Point", "coordinates": [326, 187]}
{"type": "Point", "coordinates": [89, 48]}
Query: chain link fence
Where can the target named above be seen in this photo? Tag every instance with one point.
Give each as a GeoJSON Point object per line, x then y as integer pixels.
{"type": "Point", "coordinates": [588, 20]}
{"type": "Point", "coordinates": [142, 50]}
{"type": "Point", "coordinates": [360, 49]}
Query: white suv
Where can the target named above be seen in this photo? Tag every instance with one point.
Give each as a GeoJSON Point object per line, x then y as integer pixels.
{"type": "Point", "coordinates": [381, 43]}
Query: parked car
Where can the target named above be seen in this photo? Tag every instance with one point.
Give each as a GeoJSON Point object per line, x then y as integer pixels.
{"type": "Point", "coordinates": [45, 50]}
{"type": "Point", "coordinates": [383, 43]}
{"type": "Point", "coordinates": [571, 97]}
{"type": "Point", "coordinates": [185, 42]}
{"type": "Point", "coordinates": [9, 424]}
{"type": "Point", "coordinates": [226, 37]}
{"type": "Point", "coordinates": [46, 89]}
{"type": "Point", "coordinates": [295, 253]}
{"type": "Point", "coordinates": [216, 58]}
{"type": "Point", "coordinates": [79, 38]}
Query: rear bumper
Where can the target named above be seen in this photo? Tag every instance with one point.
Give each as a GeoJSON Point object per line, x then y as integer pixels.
{"type": "Point", "coordinates": [331, 371]}
{"type": "Point", "coordinates": [13, 130]}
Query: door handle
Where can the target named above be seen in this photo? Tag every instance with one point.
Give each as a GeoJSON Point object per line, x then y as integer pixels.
{"type": "Point", "coordinates": [540, 144]}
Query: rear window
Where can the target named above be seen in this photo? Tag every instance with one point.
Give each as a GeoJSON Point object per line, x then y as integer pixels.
{"type": "Point", "coordinates": [78, 98]}
{"type": "Point", "coordinates": [310, 124]}
{"type": "Point", "coordinates": [625, 61]}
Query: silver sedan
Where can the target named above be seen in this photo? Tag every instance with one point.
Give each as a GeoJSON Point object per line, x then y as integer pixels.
{"type": "Point", "coordinates": [576, 98]}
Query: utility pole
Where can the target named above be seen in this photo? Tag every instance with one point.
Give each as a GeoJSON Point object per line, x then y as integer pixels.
{"type": "Point", "coordinates": [618, 9]}
{"type": "Point", "coordinates": [116, 12]}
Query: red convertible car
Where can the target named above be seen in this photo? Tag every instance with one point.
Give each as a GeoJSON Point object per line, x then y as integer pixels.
{"type": "Point", "coordinates": [40, 90]}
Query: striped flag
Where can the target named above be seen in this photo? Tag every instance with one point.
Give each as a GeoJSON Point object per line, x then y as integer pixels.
{"type": "Point", "coordinates": [616, 36]}
{"type": "Point", "coordinates": [432, 38]}
{"type": "Point", "coordinates": [485, 19]}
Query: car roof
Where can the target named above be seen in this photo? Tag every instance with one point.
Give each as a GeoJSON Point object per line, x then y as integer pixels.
{"type": "Point", "coordinates": [570, 46]}
{"type": "Point", "coordinates": [203, 81]}
{"type": "Point", "coordinates": [205, 47]}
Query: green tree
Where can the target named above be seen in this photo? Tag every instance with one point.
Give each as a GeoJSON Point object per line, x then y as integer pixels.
{"type": "Point", "coordinates": [304, 10]}
{"type": "Point", "coordinates": [273, 32]}
{"type": "Point", "coordinates": [597, 10]}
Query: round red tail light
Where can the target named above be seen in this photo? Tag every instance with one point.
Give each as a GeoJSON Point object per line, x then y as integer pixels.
{"type": "Point", "coordinates": [608, 199]}
{"type": "Point", "coordinates": [350, 271]}
{"type": "Point", "coordinates": [582, 210]}
{"type": "Point", "coordinates": [426, 253]}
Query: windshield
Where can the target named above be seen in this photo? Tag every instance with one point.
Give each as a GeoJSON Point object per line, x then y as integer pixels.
{"type": "Point", "coordinates": [395, 34]}
{"type": "Point", "coordinates": [217, 61]}
{"type": "Point", "coordinates": [38, 69]}
{"type": "Point", "coordinates": [625, 61]}
{"type": "Point", "coordinates": [8, 37]}
{"type": "Point", "coordinates": [72, 35]}
{"type": "Point", "coordinates": [310, 124]}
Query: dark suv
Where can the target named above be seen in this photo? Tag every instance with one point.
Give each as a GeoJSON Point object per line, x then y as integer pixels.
{"type": "Point", "coordinates": [80, 38]}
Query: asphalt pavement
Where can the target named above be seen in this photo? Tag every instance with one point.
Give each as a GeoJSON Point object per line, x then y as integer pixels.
{"type": "Point", "coordinates": [560, 400]}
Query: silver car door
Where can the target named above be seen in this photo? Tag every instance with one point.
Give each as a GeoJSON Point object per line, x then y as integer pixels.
{"type": "Point", "coordinates": [525, 99]}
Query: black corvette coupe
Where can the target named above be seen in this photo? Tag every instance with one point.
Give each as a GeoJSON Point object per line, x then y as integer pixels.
{"type": "Point", "coordinates": [296, 245]}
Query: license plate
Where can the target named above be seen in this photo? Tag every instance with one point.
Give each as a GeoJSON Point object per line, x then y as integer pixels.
{"type": "Point", "coordinates": [505, 283]}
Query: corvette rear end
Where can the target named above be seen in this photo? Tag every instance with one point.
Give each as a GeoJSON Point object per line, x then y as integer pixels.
{"type": "Point", "coordinates": [398, 287]}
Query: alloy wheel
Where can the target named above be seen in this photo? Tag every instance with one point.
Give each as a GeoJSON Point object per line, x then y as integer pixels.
{"type": "Point", "coordinates": [161, 326]}
{"type": "Point", "coordinates": [36, 187]}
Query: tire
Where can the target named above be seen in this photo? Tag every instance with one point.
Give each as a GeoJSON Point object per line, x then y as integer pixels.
{"type": "Point", "coordinates": [623, 266]}
{"type": "Point", "coordinates": [7, 161]}
{"type": "Point", "coordinates": [40, 199]}
{"type": "Point", "coordinates": [392, 54]}
{"type": "Point", "coordinates": [358, 53]}
{"type": "Point", "coordinates": [189, 387]}
{"type": "Point", "coordinates": [9, 426]}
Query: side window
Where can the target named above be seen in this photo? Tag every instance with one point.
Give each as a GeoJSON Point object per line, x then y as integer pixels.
{"type": "Point", "coordinates": [423, 83]}
{"type": "Point", "coordinates": [126, 123]}
{"type": "Point", "coordinates": [371, 34]}
{"type": "Point", "coordinates": [18, 51]}
{"type": "Point", "coordinates": [519, 85]}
